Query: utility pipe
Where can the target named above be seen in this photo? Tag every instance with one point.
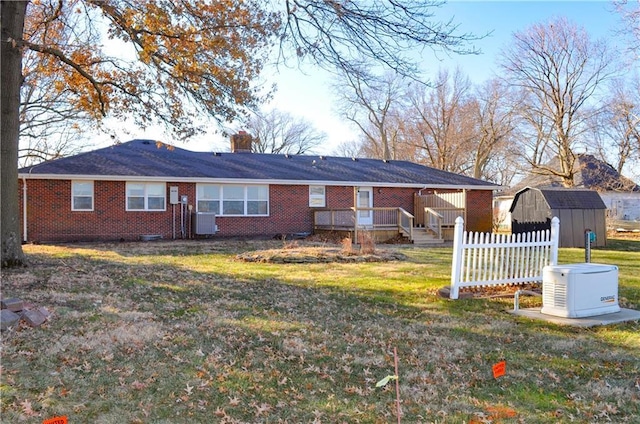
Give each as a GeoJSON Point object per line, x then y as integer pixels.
{"type": "Point", "coordinates": [516, 297]}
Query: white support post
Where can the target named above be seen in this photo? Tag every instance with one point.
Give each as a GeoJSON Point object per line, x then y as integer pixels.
{"type": "Point", "coordinates": [555, 239]}
{"type": "Point", "coordinates": [456, 265]}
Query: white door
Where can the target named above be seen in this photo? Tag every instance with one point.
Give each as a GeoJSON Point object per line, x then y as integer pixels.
{"type": "Point", "coordinates": [365, 200]}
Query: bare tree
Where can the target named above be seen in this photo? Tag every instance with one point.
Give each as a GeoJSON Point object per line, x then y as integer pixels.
{"type": "Point", "coordinates": [373, 105]}
{"type": "Point", "coordinates": [352, 36]}
{"type": "Point", "coordinates": [616, 128]}
{"type": "Point", "coordinates": [630, 28]}
{"type": "Point", "coordinates": [559, 69]}
{"type": "Point", "coordinates": [439, 127]}
{"type": "Point", "coordinates": [494, 142]}
{"type": "Point", "coordinates": [349, 149]}
{"type": "Point", "coordinates": [280, 132]}
{"type": "Point", "coordinates": [50, 125]}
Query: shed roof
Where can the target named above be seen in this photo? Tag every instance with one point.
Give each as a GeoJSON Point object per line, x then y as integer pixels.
{"type": "Point", "coordinates": [151, 159]}
{"type": "Point", "coordinates": [564, 198]}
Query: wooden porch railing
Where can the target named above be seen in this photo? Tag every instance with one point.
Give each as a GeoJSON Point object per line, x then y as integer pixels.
{"type": "Point", "coordinates": [449, 215]}
{"type": "Point", "coordinates": [333, 219]}
{"type": "Point", "coordinates": [341, 219]}
{"type": "Point", "coordinates": [433, 221]}
{"type": "Point", "coordinates": [405, 223]}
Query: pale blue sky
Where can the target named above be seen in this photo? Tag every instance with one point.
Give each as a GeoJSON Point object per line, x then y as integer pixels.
{"type": "Point", "coordinates": [309, 95]}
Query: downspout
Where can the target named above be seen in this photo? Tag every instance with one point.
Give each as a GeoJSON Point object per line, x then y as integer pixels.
{"type": "Point", "coordinates": [466, 206]}
{"type": "Point", "coordinates": [24, 206]}
{"type": "Point", "coordinates": [24, 209]}
{"type": "Point", "coordinates": [355, 214]}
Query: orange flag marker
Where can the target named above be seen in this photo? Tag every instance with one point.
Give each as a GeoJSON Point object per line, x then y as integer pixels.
{"type": "Point", "coordinates": [499, 369]}
{"type": "Point", "coordinates": [55, 420]}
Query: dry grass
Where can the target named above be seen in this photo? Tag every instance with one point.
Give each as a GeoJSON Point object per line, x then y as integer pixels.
{"type": "Point", "coordinates": [367, 242]}
{"type": "Point", "coordinates": [347, 246]}
{"type": "Point", "coordinates": [183, 332]}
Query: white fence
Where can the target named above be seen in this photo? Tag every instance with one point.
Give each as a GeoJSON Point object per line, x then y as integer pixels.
{"type": "Point", "coordinates": [486, 259]}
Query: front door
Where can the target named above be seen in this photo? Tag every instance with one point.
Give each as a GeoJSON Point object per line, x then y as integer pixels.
{"type": "Point", "coordinates": [365, 200]}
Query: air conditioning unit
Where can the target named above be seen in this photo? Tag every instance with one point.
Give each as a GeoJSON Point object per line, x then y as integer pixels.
{"type": "Point", "coordinates": [204, 223]}
{"type": "Point", "coordinates": [579, 290]}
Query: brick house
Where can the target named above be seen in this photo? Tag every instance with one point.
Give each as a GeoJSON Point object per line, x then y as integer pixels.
{"type": "Point", "coordinates": [144, 188]}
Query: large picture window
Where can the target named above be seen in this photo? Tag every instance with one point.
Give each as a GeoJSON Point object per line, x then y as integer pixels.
{"type": "Point", "coordinates": [82, 195]}
{"type": "Point", "coordinates": [233, 199]}
{"type": "Point", "coordinates": [146, 196]}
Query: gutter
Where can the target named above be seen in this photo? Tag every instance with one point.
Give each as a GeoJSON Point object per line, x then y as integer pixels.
{"type": "Point", "coordinates": [265, 181]}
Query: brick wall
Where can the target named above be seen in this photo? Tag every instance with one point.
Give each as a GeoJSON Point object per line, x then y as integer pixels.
{"type": "Point", "coordinates": [50, 218]}
{"type": "Point", "coordinates": [479, 210]}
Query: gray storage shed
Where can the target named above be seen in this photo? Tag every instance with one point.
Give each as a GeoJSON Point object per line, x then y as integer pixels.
{"type": "Point", "coordinates": [578, 210]}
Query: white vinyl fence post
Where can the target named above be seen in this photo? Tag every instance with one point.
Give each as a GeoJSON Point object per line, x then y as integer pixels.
{"type": "Point", "coordinates": [456, 264]}
{"type": "Point", "coordinates": [555, 238]}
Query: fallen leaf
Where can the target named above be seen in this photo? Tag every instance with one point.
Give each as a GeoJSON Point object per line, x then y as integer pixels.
{"type": "Point", "coordinates": [386, 380]}
{"type": "Point", "coordinates": [262, 408]}
{"type": "Point", "coordinates": [138, 385]}
{"type": "Point", "coordinates": [27, 408]}
{"type": "Point", "coordinates": [188, 389]}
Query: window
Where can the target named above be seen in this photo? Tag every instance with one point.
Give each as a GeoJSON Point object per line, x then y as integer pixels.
{"type": "Point", "coordinates": [208, 198]}
{"type": "Point", "coordinates": [81, 195]}
{"type": "Point", "coordinates": [317, 197]}
{"type": "Point", "coordinates": [146, 196]}
{"type": "Point", "coordinates": [233, 199]}
{"type": "Point", "coordinates": [257, 200]}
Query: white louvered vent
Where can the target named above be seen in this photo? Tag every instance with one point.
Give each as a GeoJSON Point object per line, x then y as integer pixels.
{"type": "Point", "coordinates": [555, 294]}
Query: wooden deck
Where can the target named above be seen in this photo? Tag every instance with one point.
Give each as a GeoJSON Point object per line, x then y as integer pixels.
{"type": "Point", "coordinates": [384, 224]}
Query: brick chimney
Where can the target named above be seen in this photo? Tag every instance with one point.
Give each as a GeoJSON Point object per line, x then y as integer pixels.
{"type": "Point", "coordinates": [241, 142]}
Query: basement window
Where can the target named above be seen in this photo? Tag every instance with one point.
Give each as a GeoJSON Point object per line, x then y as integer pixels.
{"type": "Point", "coordinates": [146, 196]}
{"type": "Point", "coordinates": [81, 195]}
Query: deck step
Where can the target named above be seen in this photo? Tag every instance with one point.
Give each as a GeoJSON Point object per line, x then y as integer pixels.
{"type": "Point", "coordinates": [422, 237]}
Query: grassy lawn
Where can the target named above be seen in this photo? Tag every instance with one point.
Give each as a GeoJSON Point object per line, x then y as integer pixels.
{"type": "Point", "coordinates": [183, 332]}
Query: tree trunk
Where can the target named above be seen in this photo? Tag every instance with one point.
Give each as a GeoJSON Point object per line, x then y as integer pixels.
{"type": "Point", "coordinates": [12, 19]}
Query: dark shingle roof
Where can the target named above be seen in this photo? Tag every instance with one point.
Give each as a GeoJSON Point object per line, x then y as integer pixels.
{"type": "Point", "coordinates": [590, 173]}
{"type": "Point", "coordinates": [147, 158]}
{"type": "Point", "coordinates": [566, 198]}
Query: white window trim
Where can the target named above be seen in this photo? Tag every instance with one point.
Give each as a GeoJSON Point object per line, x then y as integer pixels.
{"type": "Point", "coordinates": [320, 199]}
{"type": "Point", "coordinates": [73, 182]}
{"type": "Point", "coordinates": [245, 199]}
{"type": "Point", "coordinates": [146, 197]}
